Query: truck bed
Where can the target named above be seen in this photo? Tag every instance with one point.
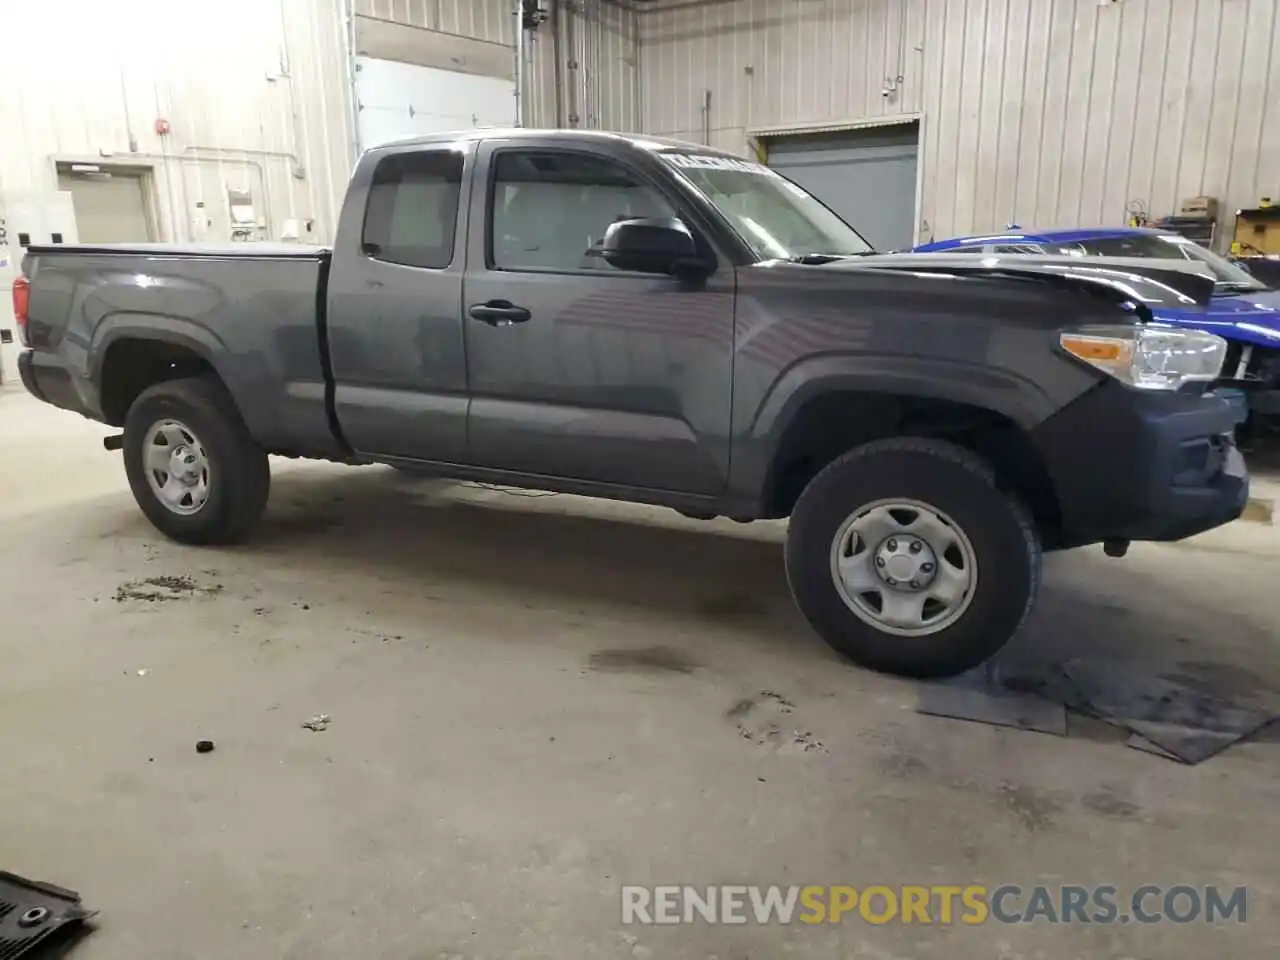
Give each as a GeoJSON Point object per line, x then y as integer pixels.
{"type": "Point", "coordinates": [255, 311]}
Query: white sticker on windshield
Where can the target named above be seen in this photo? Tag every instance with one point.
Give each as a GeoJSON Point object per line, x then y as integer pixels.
{"type": "Point", "coordinates": [702, 161]}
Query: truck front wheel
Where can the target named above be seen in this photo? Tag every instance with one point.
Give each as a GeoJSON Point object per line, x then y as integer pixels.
{"type": "Point", "coordinates": [193, 467]}
{"type": "Point", "coordinates": [906, 558]}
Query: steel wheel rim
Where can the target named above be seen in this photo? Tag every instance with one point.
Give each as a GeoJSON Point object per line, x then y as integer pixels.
{"type": "Point", "coordinates": [904, 567]}
{"type": "Point", "coordinates": [177, 467]}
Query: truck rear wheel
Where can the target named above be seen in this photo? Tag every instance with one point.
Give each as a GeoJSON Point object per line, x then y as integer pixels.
{"type": "Point", "coordinates": [906, 558]}
{"type": "Point", "coordinates": [194, 469]}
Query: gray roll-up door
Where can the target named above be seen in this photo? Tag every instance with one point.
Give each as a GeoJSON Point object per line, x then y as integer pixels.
{"type": "Point", "coordinates": [866, 176]}
{"type": "Point", "coordinates": [110, 208]}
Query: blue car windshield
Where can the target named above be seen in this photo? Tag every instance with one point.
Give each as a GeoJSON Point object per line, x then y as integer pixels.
{"type": "Point", "coordinates": [1226, 274]}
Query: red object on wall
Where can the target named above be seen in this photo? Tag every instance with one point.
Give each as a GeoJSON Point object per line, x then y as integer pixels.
{"type": "Point", "coordinates": [162, 126]}
{"type": "Point", "coordinates": [21, 305]}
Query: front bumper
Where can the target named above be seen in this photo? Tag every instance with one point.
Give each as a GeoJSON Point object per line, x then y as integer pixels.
{"type": "Point", "coordinates": [1142, 465]}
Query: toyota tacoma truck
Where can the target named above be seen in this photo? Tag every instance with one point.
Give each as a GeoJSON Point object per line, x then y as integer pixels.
{"type": "Point", "coordinates": [657, 322]}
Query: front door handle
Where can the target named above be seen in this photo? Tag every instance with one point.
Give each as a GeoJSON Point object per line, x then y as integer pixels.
{"type": "Point", "coordinates": [499, 313]}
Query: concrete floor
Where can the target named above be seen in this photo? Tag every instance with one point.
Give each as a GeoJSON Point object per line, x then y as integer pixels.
{"type": "Point", "coordinates": [529, 701]}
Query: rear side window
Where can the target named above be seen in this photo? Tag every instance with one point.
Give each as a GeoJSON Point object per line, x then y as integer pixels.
{"type": "Point", "coordinates": [413, 209]}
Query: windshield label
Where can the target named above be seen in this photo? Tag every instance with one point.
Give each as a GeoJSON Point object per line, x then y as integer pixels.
{"type": "Point", "coordinates": [696, 161]}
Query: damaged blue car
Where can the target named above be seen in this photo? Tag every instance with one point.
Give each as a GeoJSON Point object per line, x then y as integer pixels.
{"type": "Point", "coordinates": [1244, 310]}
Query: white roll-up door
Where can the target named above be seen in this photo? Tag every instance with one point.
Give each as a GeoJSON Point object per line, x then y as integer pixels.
{"type": "Point", "coordinates": [404, 99]}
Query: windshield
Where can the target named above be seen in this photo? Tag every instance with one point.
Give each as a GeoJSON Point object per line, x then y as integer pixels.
{"type": "Point", "coordinates": [776, 218]}
{"type": "Point", "coordinates": [1165, 247]}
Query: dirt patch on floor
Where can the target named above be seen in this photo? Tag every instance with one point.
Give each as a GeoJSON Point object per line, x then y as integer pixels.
{"type": "Point", "coordinates": [163, 589]}
{"type": "Point", "coordinates": [767, 720]}
{"type": "Point", "coordinates": [642, 660]}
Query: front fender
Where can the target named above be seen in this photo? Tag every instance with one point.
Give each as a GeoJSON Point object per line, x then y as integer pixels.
{"type": "Point", "coordinates": [1021, 399]}
{"type": "Point", "coordinates": [1016, 397]}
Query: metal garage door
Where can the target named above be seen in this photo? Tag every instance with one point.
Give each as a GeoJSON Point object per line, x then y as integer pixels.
{"type": "Point", "coordinates": [110, 208]}
{"type": "Point", "coordinates": [866, 176]}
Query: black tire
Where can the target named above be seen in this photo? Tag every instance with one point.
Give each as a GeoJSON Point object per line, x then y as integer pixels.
{"type": "Point", "coordinates": [239, 474]}
{"type": "Point", "coordinates": [960, 485]}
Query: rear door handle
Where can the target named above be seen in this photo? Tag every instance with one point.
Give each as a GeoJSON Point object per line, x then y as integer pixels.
{"type": "Point", "coordinates": [499, 313]}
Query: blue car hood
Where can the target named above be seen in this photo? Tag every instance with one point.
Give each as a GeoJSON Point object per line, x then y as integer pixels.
{"type": "Point", "coordinates": [1252, 317]}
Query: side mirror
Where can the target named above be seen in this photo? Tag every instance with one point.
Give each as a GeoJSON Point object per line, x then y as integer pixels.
{"type": "Point", "coordinates": [1242, 264]}
{"type": "Point", "coordinates": [650, 245]}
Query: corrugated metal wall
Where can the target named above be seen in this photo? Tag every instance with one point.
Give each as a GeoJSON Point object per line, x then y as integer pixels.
{"type": "Point", "coordinates": [1046, 112]}
{"type": "Point", "coordinates": [1040, 111]}
{"type": "Point", "coordinates": [89, 77]}
{"type": "Point", "coordinates": [598, 44]}
{"type": "Point", "coordinates": [605, 83]}
{"type": "Point", "coordinates": [478, 19]}
{"type": "Point", "coordinates": [255, 92]}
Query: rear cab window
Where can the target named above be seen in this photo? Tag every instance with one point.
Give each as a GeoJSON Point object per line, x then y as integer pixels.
{"type": "Point", "coordinates": [412, 213]}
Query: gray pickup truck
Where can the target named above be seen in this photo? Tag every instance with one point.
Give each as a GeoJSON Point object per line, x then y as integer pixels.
{"type": "Point", "coordinates": [657, 322]}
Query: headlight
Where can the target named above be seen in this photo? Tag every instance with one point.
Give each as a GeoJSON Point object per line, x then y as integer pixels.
{"type": "Point", "coordinates": [1149, 357]}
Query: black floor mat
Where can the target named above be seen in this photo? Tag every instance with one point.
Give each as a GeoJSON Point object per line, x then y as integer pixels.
{"type": "Point", "coordinates": [1163, 717]}
{"type": "Point", "coordinates": [983, 695]}
{"type": "Point", "coordinates": [1187, 724]}
{"type": "Point", "coordinates": [32, 913]}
